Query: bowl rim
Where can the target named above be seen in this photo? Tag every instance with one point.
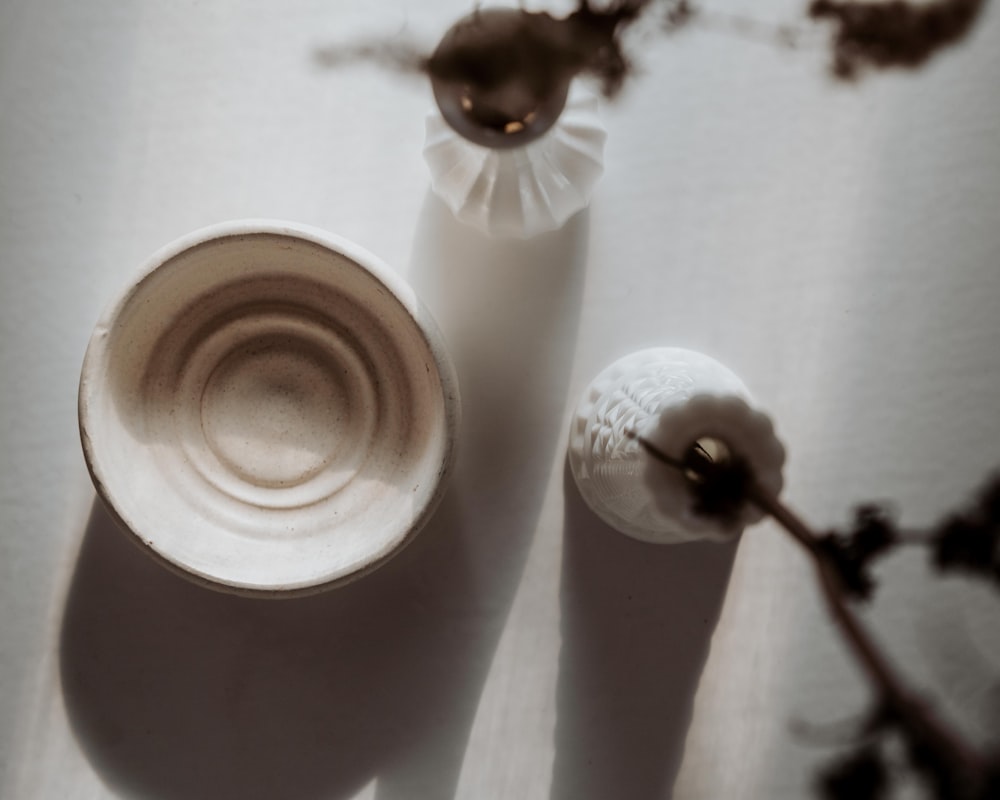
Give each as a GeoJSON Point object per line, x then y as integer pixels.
{"type": "Point", "coordinates": [94, 361]}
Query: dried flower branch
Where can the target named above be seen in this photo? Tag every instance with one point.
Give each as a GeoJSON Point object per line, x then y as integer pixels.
{"type": "Point", "coordinates": [893, 33]}
{"type": "Point", "coordinates": [533, 47]}
{"type": "Point", "coordinates": [539, 47]}
{"type": "Point", "coordinates": [949, 764]}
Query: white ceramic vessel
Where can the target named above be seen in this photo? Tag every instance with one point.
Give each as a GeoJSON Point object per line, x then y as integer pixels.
{"type": "Point", "coordinates": [672, 397]}
{"type": "Point", "coordinates": [268, 409]}
{"type": "Point", "coordinates": [523, 191]}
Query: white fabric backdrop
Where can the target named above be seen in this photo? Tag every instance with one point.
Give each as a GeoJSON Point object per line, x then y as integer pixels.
{"type": "Point", "coordinates": [836, 246]}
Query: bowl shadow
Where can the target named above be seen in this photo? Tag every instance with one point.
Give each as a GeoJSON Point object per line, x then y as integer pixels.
{"type": "Point", "coordinates": [177, 691]}
{"type": "Point", "coordinates": [637, 623]}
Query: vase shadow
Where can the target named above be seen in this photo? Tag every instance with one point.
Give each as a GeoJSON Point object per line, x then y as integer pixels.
{"type": "Point", "coordinates": [509, 311]}
{"type": "Point", "coordinates": [177, 691]}
{"type": "Point", "coordinates": [637, 623]}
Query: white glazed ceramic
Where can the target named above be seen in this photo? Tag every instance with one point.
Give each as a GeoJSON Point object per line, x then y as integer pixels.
{"type": "Point", "coordinates": [673, 397]}
{"type": "Point", "coordinates": [268, 408]}
{"type": "Point", "coordinates": [523, 191]}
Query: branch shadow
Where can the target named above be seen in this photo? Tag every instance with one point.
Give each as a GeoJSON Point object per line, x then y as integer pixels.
{"type": "Point", "coordinates": [177, 691]}
{"type": "Point", "coordinates": [637, 626]}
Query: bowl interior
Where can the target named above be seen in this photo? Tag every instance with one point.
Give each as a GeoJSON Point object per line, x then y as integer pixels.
{"type": "Point", "coordinates": [267, 413]}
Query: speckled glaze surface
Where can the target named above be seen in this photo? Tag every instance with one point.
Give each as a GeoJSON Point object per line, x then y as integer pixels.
{"type": "Point", "coordinates": [524, 191]}
{"type": "Point", "coordinates": [673, 397]}
{"type": "Point", "coordinates": [268, 409]}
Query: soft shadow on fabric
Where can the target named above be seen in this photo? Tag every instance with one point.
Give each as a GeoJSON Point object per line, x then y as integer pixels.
{"type": "Point", "coordinates": [509, 312]}
{"type": "Point", "coordinates": [176, 691]}
{"type": "Point", "coordinates": [637, 625]}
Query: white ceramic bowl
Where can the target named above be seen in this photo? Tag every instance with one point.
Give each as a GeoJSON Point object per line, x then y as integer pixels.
{"type": "Point", "coordinates": [268, 409]}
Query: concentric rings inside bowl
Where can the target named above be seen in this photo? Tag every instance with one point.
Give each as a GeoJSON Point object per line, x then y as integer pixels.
{"type": "Point", "coordinates": [268, 409]}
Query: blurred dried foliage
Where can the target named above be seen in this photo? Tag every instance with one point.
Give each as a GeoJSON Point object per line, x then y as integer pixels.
{"type": "Point", "coordinates": [537, 46]}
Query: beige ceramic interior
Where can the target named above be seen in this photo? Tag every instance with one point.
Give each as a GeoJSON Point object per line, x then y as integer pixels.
{"type": "Point", "coordinates": [268, 409]}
